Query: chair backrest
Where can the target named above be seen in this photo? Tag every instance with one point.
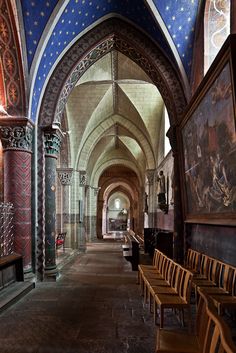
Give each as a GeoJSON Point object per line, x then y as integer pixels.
{"type": "Point", "coordinates": [213, 334]}
{"type": "Point", "coordinates": [193, 260]}
{"type": "Point", "coordinates": [155, 257]}
{"type": "Point", "coordinates": [185, 284]}
{"type": "Point", "coordinates": [204, 265]}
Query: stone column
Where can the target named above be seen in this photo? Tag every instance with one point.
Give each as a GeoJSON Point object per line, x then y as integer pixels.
{"type": "Point", "coordinates": [92, 195]}
{"type": "Point", "coordinates": [100, 205]}
{"type": "Point", "coordinates": [150, 173]}
{"type": "Point", "coordinates": [16, 137]}
{"type": "Point", "coordinates": [52, 143]}
{"type": "Point", "coordinates": [81, 231]}
{"type": "Point", "coordinates": [178, 249]}
{"type": "Point", "coordinates": [65, 176]}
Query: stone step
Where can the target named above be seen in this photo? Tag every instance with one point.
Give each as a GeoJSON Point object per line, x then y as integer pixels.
{"type": "Point", "coordinates": [13, 293]}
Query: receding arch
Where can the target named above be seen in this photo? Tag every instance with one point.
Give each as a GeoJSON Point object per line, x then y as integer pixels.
{"type": "Point", "coordinates": [128, 182]}
{"type": "Point", "coordinates": [127, 163]}
{"type": "Point", "coordinates": [111, 34]}
{"type": "Point", "coordinates": [136, 133]}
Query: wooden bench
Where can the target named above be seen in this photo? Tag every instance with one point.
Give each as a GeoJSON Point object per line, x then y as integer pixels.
{"type": "Point", "coordinates": [60, 240]}
{"type": "Point", "coordinates": [131, 250]}
{"type": "Point", "coordinates": [14, 264]}
{"type": "Point", "coordinates": [212, 333]}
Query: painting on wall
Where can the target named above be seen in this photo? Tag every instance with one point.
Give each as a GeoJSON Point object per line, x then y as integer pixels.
{"type": "Point", "coordinates": [209, 151]}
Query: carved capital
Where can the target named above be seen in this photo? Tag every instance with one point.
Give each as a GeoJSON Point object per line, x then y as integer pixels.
{"type": "Point", "coordinates": [65, 175]}
{"type": "Point", "coordinates": [150, 173]}
{"type": "Point", "coordinates": [82, 178]}
{"type": "Point", "coordinates": [96, 191]}
{"type": "Point", "coordinates": [52, 142]}
{"type": "Point", "coordinates": [16, 133]}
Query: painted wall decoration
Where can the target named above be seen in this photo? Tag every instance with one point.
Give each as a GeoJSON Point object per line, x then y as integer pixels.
{"type": "Point", "coordinates": [209, 146]}
{"type": "Point", "coordinates": [12, 92]}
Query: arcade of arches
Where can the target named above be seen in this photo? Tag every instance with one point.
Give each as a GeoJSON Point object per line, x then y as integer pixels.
{"type": "Point", "coordinates": [85, 106]}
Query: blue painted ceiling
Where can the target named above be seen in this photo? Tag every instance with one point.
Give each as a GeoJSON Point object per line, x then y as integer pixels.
{"type": "Point", "coordinates": [179, 17]}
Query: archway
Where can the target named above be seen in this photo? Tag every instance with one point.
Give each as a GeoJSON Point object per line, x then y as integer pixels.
{"type": "Point", "coordinates": [109, 35]}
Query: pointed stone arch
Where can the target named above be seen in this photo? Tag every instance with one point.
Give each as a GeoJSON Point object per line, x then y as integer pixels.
{"type": "Point", "coordinates": [111, 34]}
{"type": "Point", "coordinates": [132, 130]}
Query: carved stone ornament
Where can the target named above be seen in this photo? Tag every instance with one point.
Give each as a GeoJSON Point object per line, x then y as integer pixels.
{"type": "Point", "coordinates": [96, 190]}
{"type": "Point", "coordinates": [65, 176]}
{"type": "Point", "coordinates": [150, 176]}
{"type": "Point", "coordinates": [17, 137]}
{"type": "Point", "coordinates": [52, 142]}
{"type": "Point", "coordinates": [82, 178]}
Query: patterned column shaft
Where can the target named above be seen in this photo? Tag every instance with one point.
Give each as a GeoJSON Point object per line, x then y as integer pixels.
{"type": "Point", "coordinates": [17, 145]}
{"type": "Point", "coordinates": [52, 146]}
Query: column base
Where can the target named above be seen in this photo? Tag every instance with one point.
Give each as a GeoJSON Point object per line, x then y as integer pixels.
{"type": "Point", "coordinates": [50, 275]}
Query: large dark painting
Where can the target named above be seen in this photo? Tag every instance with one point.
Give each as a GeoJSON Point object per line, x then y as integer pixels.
{"type": "Point", "coordinates": [209, 143]}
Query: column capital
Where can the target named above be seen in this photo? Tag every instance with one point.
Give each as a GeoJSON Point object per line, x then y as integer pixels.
{"type": "Point", "coordinates": [95, 190]}
{"type": "Point", "coordinates": [52, 141]}
{"type": "Point", "coordinates": [65, 175]}
{"type": "Point", "coordinates": [82, 178]}
{"type": "Point", "coordinates": [150, 173]}
{"type": "Point", "coordinates": [16, 133]}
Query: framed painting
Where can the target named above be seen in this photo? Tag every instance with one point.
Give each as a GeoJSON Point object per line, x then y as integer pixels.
{"type": "Point", "coordinates": [209, 152]}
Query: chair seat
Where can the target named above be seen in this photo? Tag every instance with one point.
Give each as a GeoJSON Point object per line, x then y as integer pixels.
{"type": "Point", "coordinates": [169, 300]}
{"type": "Point", "coordinates": [202, 282]}
{"type": "Point", "coordinates": [162, 290]}
{"type": "Point", "coordinates": [224, 299]}
{"type": "Point", "coordinates": [157, 282]}
{"type": "Point", "coordinates": [176, 342]}
{"type": "Point", "coordinates": [215, 291]}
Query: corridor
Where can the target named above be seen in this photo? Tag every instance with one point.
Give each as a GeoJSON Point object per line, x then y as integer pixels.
{"type": "Point", "coordinates": [95, 306]}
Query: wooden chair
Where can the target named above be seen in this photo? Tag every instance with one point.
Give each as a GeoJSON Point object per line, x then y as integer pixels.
{"type": "Point", "coordinates": [169, 286]}
{"type": "Point", "coordinates": [212, 334]}
{"type": "Point", "coordinates": [192, 262]}
{"type": "Point", "coordinates": [209, 276]}
{"type": "Point", "coordinates": [225, 298]}
{"type": "Point", "coordinates": [145, 270]}
{"type": "Point", "coordinates": [180, 301]}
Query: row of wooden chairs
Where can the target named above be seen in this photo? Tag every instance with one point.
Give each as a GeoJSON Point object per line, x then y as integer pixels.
{"type": "Point", "coordinates": [216, 277]}
{"type": "Point", "coordinates": [165, 284]}
{"type": "Point", "coordinates": [212, 334]}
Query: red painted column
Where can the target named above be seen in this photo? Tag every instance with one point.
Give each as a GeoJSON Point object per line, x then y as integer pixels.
{"type": "Point", "coordinates": [16, 138]}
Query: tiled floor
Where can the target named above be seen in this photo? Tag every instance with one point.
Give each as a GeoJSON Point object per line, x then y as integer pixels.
{"type": "Point", "coordinates": [95, 306]}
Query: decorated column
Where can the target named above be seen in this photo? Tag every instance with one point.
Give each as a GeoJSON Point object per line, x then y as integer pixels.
{"type": "Point", "coordinates": [151, 194]}
{"type": "Point", "coordinates": [178, 249]}
{"type": "Point", "coordinates": [52, 143]}
{"type": "Point", "coordinates": [64, 210]}
{"type": "Point", "coordinates": [16, 138]}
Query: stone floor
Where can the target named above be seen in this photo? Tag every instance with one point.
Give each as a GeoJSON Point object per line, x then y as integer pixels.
{"type": "Point", "coordinates": [94, 306]}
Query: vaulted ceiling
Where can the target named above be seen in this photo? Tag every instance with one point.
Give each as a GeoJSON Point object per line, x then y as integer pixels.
{"type": "Point", "coordinates": [52, 26]}
{"type": "Point", "coordinates": [114, 114]}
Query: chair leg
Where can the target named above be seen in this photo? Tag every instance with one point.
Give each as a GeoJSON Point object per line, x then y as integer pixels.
{"type": "Point", "coordinates": [161, 316]}
{"type": "Point", "coordinates": [154, 311]}
{"type": "Point", "coordinates": [190, 319]}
